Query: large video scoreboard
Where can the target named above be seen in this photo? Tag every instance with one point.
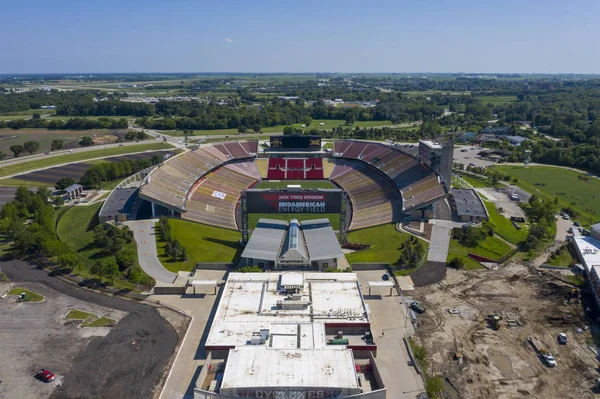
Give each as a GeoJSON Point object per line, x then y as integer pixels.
{"type": "Point", "coordinates": [294, 142]}
{"type": "Point", "coordinates": [271, 201]}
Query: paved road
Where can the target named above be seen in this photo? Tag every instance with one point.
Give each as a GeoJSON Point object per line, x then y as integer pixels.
{"type": "Point", "coordinates": [143, 231]}
{"type": "Point", "coordinates": [440, 240]}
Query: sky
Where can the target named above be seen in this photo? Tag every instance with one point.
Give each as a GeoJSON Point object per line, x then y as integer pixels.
{"type": "Point", "coordinates": [485, 36]}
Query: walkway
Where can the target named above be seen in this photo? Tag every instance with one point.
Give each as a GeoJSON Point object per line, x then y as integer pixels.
{"type": "Point", "coordinates": [143, 232]}
{"type": "Point", "coordinates": [440, 240]}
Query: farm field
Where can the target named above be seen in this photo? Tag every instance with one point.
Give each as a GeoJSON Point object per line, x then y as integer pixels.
{"type": "Point", "coordinates": [385, 243]}
{"type": "Point", "coordinates": [498, 100]}
{"type": "Point", "coordinates": [203, 244]}
{"type": "Point", "coordinates": [10, 137]}
{"type": "Point", "coordinates": [76, 170]}
{"type": "Point", "coordinates": [334, 218]}
{"type": "Point", "coordinates": [79, 156]}
{"type": "Point", "coordinates": [303, 183]}
{"type": "Point", "coordinates": [567, 185]}
{"type": "Point", "coordinates": [328, 124]}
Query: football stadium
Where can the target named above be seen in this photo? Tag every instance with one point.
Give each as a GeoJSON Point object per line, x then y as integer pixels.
{"type": "Point", "coordinates": [373, 183]}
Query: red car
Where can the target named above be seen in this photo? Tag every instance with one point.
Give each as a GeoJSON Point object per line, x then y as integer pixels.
{"type": "Point", "coordinates": [45, 375]}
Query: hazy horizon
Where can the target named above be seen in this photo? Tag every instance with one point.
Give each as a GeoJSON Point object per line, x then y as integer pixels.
{"type": "Point", "coordinates": [524, 37]}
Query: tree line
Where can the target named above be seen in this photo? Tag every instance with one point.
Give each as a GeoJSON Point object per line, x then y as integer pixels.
{"type": "Point", "coordinates": [173, 249]}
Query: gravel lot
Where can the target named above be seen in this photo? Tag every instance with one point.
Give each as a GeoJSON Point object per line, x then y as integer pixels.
{"type": "Point", "coordinates": [126, 363]}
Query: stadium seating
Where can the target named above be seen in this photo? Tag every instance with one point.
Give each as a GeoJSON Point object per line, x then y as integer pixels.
{"type": "Point", "coordinates": [374, 198]}
{"type": "Point", "coordinates": [295, 168]}
{"type": "Point", "coordinates": [171, 181]}
{"type": "Point", "coordinates": [262, 165]}
{"type": "Point", "coordinates": [328, 166]}
{"type": "Point", "coordinates": [214, 199]}
{"type": "Point", "coordinates": [418, 184]}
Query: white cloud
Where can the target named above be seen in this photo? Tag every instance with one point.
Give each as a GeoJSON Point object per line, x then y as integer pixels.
{"type": "Point", "coordinates": [228, 40]}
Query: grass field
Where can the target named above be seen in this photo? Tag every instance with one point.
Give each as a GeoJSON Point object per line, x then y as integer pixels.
{"type": "Point", "coordinates": [13, 116]}
{"type": "Point", "coordinates": [563, 183]}
{"type": "Point", "coordinates": [492, 248]}
{"type": "Point", "coordinates": [303, 183]}
{"type": "Point", "coordinates": [76, 314]}
{"type": "Point", "coordinates": [334, 218]}
{"type": "Point", "coordinates": [78, 156]}
{"type": "Point", "coordinates": [563, 259]}
{"type": "Point", "coordinates": [328, 124]}
{"type": "Point", "coordinates": [503, 226]}
{"type": "Point", "coordinates": [477, 182]}
{"type": "Point", "coordinates": [498, 100]}
{"type": "Point", "coordinates": [30, 296]}
{"type": "Point", "coordinates": [385, 243]}
{"type": "Point", "coordinates": [203, 244]}
{"type": "Point", "coordinates": [75, 228]}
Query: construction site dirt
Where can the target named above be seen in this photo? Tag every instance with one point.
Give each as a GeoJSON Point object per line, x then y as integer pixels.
{"type": "Point", "coordinates": [479, 326]}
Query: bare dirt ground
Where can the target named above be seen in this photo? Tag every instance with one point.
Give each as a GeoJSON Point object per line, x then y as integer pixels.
{"type": "Point", "coordinates": [501, 363]}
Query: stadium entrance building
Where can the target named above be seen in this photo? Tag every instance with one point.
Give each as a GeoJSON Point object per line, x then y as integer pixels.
{"type": "Point", "coordinates": [277, 244]}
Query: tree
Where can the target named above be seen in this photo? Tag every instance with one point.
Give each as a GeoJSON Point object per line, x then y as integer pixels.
{"type": "Point", "coordinates": [287, 130]}
{"type": "Point", "coordinates": [183, 256]}
{"type": "Point", "coordinates": [457, 263]}
{"type": "Point", "coordinates": [56, 145]}
{"type": "Point", "coordinates": [110, 269]}
{"type": "Point", "coordinates": [31, 146]}
{"type": "Point", "coordinates": [242, 129]}
{"type": "Point", "coordinates": [2, 155]}
{"type": "Point", "coordinates": [86, 141]}
{"type": "Point", "coordinates": [68, 261]}
{"type": "Point", "coordinates": [17, 150]}
{"type": "Point", "coordinates": [64, 182]}
{"type": "Point", "coordinates": [96, 270]}
{"type": "Point", "coordinates": [125, 259]}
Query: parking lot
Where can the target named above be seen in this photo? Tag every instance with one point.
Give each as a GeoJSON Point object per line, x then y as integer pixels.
{"type": "Point", "coordinates": [389, 324]}
{"type": "Point", "coordinates": [37, 335]}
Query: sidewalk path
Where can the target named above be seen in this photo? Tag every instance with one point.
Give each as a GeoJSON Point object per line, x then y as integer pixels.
{"type": "Point", "coordinates": [143, 231]}
{"type": "Point", "coordinates": [440, 240]}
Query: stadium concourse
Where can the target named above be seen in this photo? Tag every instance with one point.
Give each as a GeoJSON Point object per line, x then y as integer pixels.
{"type": "Point", "coordinates": [383, 183]}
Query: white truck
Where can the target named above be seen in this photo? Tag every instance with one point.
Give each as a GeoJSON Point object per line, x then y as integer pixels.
{"type": "Point", "coordinates": [541, 350]}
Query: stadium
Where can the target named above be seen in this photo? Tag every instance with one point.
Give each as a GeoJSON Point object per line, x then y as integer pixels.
{"type": "Point", "coordinates": [218, 184]}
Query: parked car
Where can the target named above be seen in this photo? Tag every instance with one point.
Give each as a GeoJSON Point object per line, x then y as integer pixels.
{"type": "Point", "coordinates": [562, 338]}
{"type": "Point", "coordinates": [45, 375]}
{"type": "Point", "coordinates": [385, 277]}
{"type": "Point", "coordinates": [550, 361]}
{"type": "Point", "coordinates": [576, 224]}
{"type": "Point", "coordinates": [566, 217]}
{"type": "Point", "coordinates": [453, 311]}
{"type": "Point", "coordinates": [417, 307]}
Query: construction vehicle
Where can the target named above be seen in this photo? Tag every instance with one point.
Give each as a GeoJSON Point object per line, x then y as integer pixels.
{"type": "Point", "coordinates": [494, 321]}
{"type": "Point", "coordinates": [542, 351]}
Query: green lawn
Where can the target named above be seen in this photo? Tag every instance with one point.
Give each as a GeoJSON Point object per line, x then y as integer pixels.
{"type": "Point", "coordinates": [13, 116]}
{"type": "Point", "coordinates": [334, 218]}
{"type": "Point", "coordinates": [203, 244]}
{"type": "Point", "coordinates": [477, 182]}
{"type": "Point", "coordinates": [504, 227]}
{"type": "Point", "coordinates": [78, 156]}
{"type": "Point", "coordinates": [564, 258]}
{"type": "Point", "coordinates": [385, 243]}
{"type": "Point", "coordinates": [30, 296]}
{"type": "Point", "coordinates": [498, 100]}
{"type": "Point", "coordinates": [303, 183]}
{"type": "Point", "coordinates": [89, 319]}
{"type": "Point", "coordinates": [75, 228]}
{"type": "Point", "coordinates": [76, 314]}
{"type": "Point", "coordinates": [492, 248]}
{"type": "Point", "coordinates": [552, 182]}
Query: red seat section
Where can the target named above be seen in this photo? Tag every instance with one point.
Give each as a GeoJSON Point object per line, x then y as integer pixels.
{"type": "Point", "coordinates": [275, 174]}
{"type": "Point", "coordinates": [314, 163]}
{"type": "Point", "coordinates": [315, 174]}
{"type": "Point", "coordinates": [276, 163]}
{"type": "Point", "coordinates": [293, 163]}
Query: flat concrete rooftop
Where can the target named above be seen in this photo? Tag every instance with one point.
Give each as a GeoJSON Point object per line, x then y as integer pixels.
{"type": "Point", "coordinates": [252, 301]}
